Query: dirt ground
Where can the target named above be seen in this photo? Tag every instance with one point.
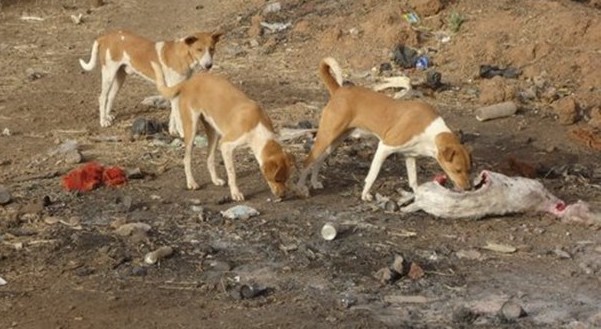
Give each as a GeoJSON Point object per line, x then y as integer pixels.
{"type": "Point", "coordinates": [66, 266]}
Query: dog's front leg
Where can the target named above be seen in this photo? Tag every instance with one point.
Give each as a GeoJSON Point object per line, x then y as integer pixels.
{"type": "Point", "coordinates": [411, 172]}
{"type": "Point", "coordinates": [381, 154]}
{"type": "Point", "coordinates": [227, 152]}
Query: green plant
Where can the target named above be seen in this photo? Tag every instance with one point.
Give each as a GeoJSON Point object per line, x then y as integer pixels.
{"type": "Point", "coordinates": [455, 21]}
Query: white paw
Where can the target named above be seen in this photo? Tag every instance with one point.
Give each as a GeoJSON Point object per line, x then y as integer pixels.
{"type": "Point", "coordinates": [106, 121]}
{"type": "Point", "coordinates": [317, 185]}
{"type": "Point", "coordinates": [367, 197]}
{"type": "Point", "coordinates": [192, 185]}
{"type": "Point", "coordinates": [237, 196]}
{"type": "Point", "coordinates": [218, 181]}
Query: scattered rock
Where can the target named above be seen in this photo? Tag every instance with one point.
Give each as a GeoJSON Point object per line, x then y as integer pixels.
{"type": "Point", "coordinates": [6, 132]}
{"type": "Point", "coordinates": [33, 74]}
{"type": "Point", "coordinates": [5, 196]}
{"type": "Point", "coordinates": [399, 265]}
{"type": "Point", "coordinates": [347, 301]}
{"type": "Point", "coordinates": [134, 173]}
{"type": "Point", "coordinates": [471, 254]}
{"type": "Point", "coordinates": [386, 276]}
{"type": "Point", "coordinates": [73, 157]}
{"type": "Point", "coordinates": [84, 271]}
{"type": "Point", "coordinates": [158, 102]}
{"type": "Point", "coordinates": [272, 7]}
{"type": "Point", "coordinates": [130, 228]}
{"type": "Point", "coordinates": [566, 110]}
{"type": "Point", "coordinates": [154, 256]}
{"type": "Point", "coordinates": [139, 271]}
{"type": "Point", "coordinates": [512, 311]}
{"type": "Point", "coordinates": [562, 254]}
{"type": "Point", "coordinates": [2, 282]}
{"type": "Point", "coordinates": [426, 7]}
{"type": "Point", "coordinates": [252, 291]}
{"type": "Point", "coordinates": [391, 206]}
{"type": "Point", "coordinates": [595, 118]}
{"type": "Point", "coordinates": [495, 90]}
{"type": "Point", "coordinates": [65, 147]}
{"type": "Point", "coordinates": [240, 212]}
{"type": "Point", "coordinates": [143, 126]}
{"type": "Point", "coordinates": [415, 272]}
{"type": "Point", "coordinates": [496, 111]}
{"type": "Point", "coordinates": [502, 248]}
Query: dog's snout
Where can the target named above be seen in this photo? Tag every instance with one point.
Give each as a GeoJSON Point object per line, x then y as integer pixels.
{"type": "Point", "coordinates": [209, 66]}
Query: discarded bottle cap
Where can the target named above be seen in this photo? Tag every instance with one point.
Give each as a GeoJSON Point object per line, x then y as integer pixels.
{"type": "Point", "coordinates": [329, 231]}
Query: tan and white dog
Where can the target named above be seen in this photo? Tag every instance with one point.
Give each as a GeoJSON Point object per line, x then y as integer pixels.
{"type": "Point", "coordinates": [409, 127]}
{"type": "Point", "coordinates": [122, 53]}
{"type": "Point", "coordinates": [227, 114]}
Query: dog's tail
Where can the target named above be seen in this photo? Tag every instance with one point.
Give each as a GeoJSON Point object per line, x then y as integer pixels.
{"type": "Point", "coordinates": [89, 66]}
{"type": "Point", "coordinates": [331, 74]}
{"type": "Point", "coordinates": [167, 92]}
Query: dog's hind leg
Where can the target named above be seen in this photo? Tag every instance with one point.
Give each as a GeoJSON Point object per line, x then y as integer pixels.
{"type": "Point", "coordinates": [118, 80]}
{"type": "Point", "coordinates": [189, 133]}
{"type": "Point", "coordinates": [213, 139]}
{"type": "Point", "coordinates": [109, 72]}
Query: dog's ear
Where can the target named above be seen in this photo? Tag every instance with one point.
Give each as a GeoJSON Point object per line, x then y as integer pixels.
{"type": "Point", "coordinates": [190, 40]}
{"type": "Point", "coordinates": [216, 36]}
{"type": "Point", "coordinates": [448, 153]}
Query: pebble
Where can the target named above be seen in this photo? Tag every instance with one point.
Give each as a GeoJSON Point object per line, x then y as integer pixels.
{"type": "Point", "coordinates": [399, 265]}
{"type": "Point", "coordinates": [240, 212]}
{"type": "Point", "coordinates": [129, 228]}
{"type": "Point", "coordinates": [386, 275]}
{"type": "Point", "coordinates": [139, 271]}
{"type": "Point", "coordinates": [469, 254]}
{"type": "Point", "coordinates": [73, 157]}
{"type": "Point", "coordinates": [251, 291]}
{"type": "Point", "coordinates": [415, 272]}
{"type": "Point", "coordinates": [135, 173]}
{"type": "Point", "coordinates": [154, 256]}
{"type": "Point", "coordinates": [512, 311]}
{"type": "Point", "coordinates": [6, 132]}
{"type": "Point", "coordinates": [562, 254]}
{"type": "Point", "coordinates": [5, 196]}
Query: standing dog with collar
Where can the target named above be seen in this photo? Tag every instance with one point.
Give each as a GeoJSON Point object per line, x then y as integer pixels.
{"type": "Point", "coordinates": [121, 53]}
{"type": "Point", "coordinates": [408, 127]}
{"type": "Point", "coordinates": [227, 114]}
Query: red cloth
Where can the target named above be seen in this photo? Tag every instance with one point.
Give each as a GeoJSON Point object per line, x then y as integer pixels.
{"type": "Point", "coordinates": [92, 175]}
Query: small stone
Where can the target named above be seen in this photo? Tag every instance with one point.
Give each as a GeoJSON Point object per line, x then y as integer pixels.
{"type": "Point", "coordinates": [73, 157]}
{"type": "Point", "coordinates": [415, 272]}
{"type": "Point", "coordinates": [84, 271]}
{"type": "Point", "coordinates": [512, 311]}
{"type": "Point", "coordinates": [6, 132]}
{"type": "Point", "coordinates": [254, 43]}
{"type": "Point", "coordinates": [240, 212]}
{"type": "Point", "coordinates": [386, 275]}
{"type": "Point", "coordinates": [154, 256]}
{"type": "Point", "coordinates": [305, 124]}
{"type": "Point", "coordinates": [143, 126]}
{"type": "Point", "coordinates": [391, 206]}
{"type": "Point", "coordinates": [130, 228]}
{"type": "Point", "coordinates": [567, 110]}
{"type": "Point", "coordinates": [139, 271]}
{"type": "Point", "coordinates": [469, 254]}
{"type": "Point", "coordinates": [134, 173]}
{"type": "Point", "coordinates": [5, 196]}
{"type": "Point", "coordinates": [33, 75]}
{"type": "Point", "coordinates": [348, 300]}
{"type": "Point", "coordinates": [354, 31]}
{"type": "Point", "coordinates": [562, 254]}
{"type": "Point", "coordinates": [399, 265]}
{"type": "Point", "coordinates": [273, 7]}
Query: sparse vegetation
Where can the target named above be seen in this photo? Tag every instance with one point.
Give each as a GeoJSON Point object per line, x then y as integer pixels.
{"type": "Point", "coordinates": [455, 21]}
